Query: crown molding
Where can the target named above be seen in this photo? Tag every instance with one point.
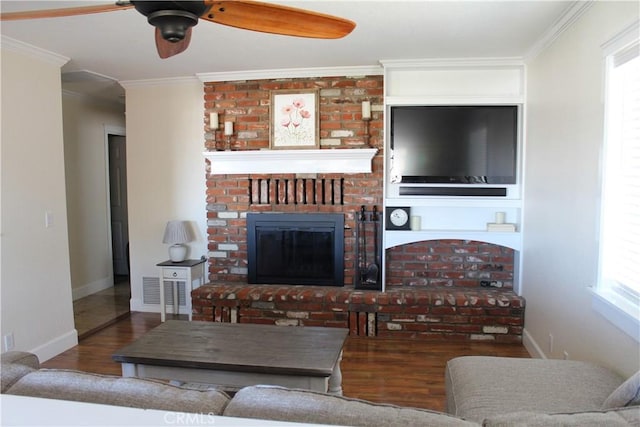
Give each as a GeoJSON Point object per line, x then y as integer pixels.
{"type": "Point", "coordinates": [32, 51]}
{"type": "Point", "coordinates": [452, 63]}
{"type": "Point", "coordinates": [290, 73]}
{"type": "Point", "coordinates": [562, 24]}
{"type": "Point", "coordinates": [159, 82]}
{"type": "Point", "coordinates": [628, 35]}
{"type": "Point", "coordinates": [93, 99]}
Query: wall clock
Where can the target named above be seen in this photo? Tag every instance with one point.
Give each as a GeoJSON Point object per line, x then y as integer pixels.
{"type": "Point", "coordinates": [397, 218]}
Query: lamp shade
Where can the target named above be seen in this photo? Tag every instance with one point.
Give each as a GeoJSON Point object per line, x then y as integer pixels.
{"type": "Point", "coordinates": [177, 232]}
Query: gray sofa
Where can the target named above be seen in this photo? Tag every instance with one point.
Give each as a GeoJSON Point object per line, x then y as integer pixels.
{"type": "Point", "coordinates": [502, 391]}
{"type": "Point", "coordinates": [501, 401]}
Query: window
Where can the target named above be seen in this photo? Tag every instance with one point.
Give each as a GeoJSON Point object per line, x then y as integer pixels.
{"type": "Point", "coordinates": [618, 286]}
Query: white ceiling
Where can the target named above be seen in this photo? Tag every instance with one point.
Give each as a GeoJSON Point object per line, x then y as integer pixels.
{"type": "Point", "coordinates": [120, 44]}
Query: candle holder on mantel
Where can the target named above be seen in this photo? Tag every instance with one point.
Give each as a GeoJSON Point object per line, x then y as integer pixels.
{"type": "Point", "coordinates": [214, 125]}
{"type": "Point", "coordinates": [366, 118]}
{"type": "Point", "coordinates": [218, 143]}
{"type": "Point", "coordinates": [228, 133]}
{"type": "Point", "coordinates": [367, 136]}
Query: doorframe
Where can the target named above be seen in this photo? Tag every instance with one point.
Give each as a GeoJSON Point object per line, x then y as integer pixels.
{"type": "Point", "coordinates": [118, 131]}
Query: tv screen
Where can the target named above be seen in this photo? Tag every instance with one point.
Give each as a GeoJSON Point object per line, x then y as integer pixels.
{"type": "Point", "coordinates": [454, 144]}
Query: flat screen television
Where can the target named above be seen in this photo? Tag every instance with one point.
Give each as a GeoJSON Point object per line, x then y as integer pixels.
{"type": "Point", "coordinates": [454, 144]}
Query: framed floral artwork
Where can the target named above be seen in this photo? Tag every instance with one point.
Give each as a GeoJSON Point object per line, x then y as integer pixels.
{"type": "Point", "coordinates": [295, 119]}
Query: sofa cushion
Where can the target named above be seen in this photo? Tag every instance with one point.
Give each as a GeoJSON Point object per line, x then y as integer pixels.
{"type": "Point", "coordinates": [624, 417]}
{"type": "Point", "coordinates": [628, 394]}
{"type": "Point", "coordinates": [479, 387]}
{"type": "Point", "coordinates": [111, 390]}
{"type": "Point", "coordinates": [303, 406]}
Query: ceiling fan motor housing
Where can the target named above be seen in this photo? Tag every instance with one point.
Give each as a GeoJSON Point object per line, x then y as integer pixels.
{"type": "Point", "coordinates": [173, 18]}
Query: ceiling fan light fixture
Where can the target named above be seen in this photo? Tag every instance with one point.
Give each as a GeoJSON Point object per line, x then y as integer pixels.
{"type": "Point", "coordinates": [173, 24]}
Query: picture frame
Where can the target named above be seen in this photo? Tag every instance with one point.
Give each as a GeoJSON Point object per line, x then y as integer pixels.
{"type": "Point", "coordinates": [295, 119]}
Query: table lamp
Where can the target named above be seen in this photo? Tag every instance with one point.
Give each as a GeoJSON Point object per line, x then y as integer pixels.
{"type": "Point", "coordinates": [177, 233]}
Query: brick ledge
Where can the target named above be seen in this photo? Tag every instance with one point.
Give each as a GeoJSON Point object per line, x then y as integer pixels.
{"type": "Point", "coordinates": [437, 313]}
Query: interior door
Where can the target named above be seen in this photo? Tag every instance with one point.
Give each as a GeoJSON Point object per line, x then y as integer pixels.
{"type": "Point", "coordinates": [118, 192]}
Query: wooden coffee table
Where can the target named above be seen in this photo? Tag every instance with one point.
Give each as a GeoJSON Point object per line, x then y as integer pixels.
{"type": "Point", "coordinates": [235, 355]}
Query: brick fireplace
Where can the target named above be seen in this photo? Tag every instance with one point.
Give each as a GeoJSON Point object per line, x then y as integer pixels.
{"type": "Point", "coordinates": [297, 249]}
{"type": "Point", "coordinates": [444, 289]}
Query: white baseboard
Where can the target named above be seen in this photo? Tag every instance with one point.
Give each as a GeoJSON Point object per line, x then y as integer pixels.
{"type": "Point", "coordinates": [91, 288]}
{"type": "Point", "coordinates": [56, 346]}
{"type": "Point", "coordinates": [532, 346]}
{"type": "Point", "coordinates": [138, 305]}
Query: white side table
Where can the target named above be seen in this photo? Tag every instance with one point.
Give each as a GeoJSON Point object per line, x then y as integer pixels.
{"type": "Point", "coordinates": [191, 272]}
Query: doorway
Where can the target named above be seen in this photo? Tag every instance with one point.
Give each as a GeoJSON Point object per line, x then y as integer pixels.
{"type": "Point", "coordinates": [117, 159]}
{"type": "Point", "coordinates": [100, 309]}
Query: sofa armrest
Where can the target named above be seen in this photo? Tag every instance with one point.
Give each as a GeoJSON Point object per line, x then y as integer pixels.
{"type": "Point", "coordinates": [15, 365]}
{"type": "Point", "coordinates": [22, 358]}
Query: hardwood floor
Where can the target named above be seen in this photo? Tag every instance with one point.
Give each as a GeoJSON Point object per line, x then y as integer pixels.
{"type": "Point", "coordinates": [401, 372]}
{"type": "Point", "coordinates": [103, 308]}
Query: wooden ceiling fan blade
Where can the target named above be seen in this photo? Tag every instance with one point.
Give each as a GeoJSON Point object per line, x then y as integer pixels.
{"type": "Point", "coordinates": [167, 49]}
{"type": "Point", "coordinates": [59, 13]}
{"type": "Point", "coordinates": [277, 19]}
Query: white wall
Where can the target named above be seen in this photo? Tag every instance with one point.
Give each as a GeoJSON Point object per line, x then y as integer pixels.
{"type": "Point", "coordinates": [165, 172]}
{"type": "Point", "coordinates": [85, 123]}
{"type": "Point", "coordinates": [35, 282]}
{"type": "Point", "coordinates": [565, 128]}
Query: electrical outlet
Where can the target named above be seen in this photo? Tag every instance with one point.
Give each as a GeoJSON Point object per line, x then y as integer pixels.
{"type": "Point", "coordinates": [48, 219]}
{"type": "Point", "coordinates": [8, 341]}
{"type": "Point", "coordinates": [550, 343]}
{"type": "Point", "coordinates": [565, 355]}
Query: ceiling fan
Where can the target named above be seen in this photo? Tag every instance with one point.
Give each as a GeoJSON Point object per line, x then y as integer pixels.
{"type": "Point", "coordinates": [174, 20]}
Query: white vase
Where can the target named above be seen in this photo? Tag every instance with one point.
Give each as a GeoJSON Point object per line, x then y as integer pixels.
{"type": "Point", "coordinates": [177, 252]}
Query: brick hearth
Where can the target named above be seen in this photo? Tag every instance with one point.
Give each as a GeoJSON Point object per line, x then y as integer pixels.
{"type": "Point", "coordinates": [425, 313]}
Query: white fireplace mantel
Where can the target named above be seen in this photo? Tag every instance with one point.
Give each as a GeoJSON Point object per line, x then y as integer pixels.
{"type": "Point", "coordinates": [357, 160]}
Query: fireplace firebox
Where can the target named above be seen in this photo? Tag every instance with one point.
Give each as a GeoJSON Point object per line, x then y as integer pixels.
{"type": "Point", "coordinates": [295, 249]}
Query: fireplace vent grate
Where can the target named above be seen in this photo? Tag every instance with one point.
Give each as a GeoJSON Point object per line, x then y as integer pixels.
{"type": "Point", "coordinates": [296, 191]}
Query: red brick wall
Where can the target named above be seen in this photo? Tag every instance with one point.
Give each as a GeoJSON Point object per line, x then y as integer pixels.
{"type": "Point", "coordinates": [230, 197]}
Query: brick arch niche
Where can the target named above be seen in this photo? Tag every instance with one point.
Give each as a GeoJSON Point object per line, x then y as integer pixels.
{"type": "Point", "coordinates": [460, 264]}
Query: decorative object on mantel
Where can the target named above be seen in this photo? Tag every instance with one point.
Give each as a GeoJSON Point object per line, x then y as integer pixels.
{"type": "Point", "coordinates": [416, 223]}
{"type": "Point", "coordinates": [500, 224]}
{"type": "Point", "coordinates": [295, 119]}
{"type": "Point", "coordinates": [228, 133]}
{"type": "Point", "coordinates": [214, 125]}
{"type": "Point", "coordinates": [177, 233]}
{"type": "Point", "coordinates": [366, 118]}
{"type": "Point", "coordinates": [398, 218]}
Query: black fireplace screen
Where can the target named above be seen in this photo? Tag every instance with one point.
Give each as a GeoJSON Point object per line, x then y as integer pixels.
{"type": "Point", "coordinates": [298, 249]}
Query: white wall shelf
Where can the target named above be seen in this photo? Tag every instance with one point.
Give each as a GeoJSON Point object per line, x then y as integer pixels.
{"type": "Point", "coordinates": [467, 202]}
{"type": "Point", "coordinates": [291, 161]}
{"type": "Point", "coordinates": [511, 240]}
